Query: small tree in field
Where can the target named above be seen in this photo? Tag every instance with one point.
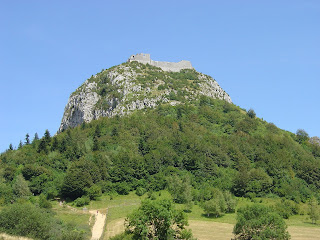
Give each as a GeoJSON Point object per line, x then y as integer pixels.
{"type": "Point", "coordinates": [157, 220]}
{"type": "Point", "coordinates": [259, 222]}
{"type": "Point", "coordinates": [314, 212]}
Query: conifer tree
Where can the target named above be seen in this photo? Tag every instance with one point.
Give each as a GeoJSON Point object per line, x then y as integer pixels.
{"type": "Point", "coordinates": [47, 136]}
{"type": "Point", "coordinates": [55, 144]}
{"type": "Point", "coordinates": [20, 145]}
{"type": "Point", "coordinates": [36, 137]}
{"type": "Point", "coordinates": [27, 139]}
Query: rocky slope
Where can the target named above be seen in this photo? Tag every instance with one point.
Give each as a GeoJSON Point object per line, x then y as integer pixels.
{"type": "Point", "coordinates": [131, 86]}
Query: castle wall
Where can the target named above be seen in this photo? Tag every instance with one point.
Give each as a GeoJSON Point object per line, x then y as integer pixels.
{"type": "Point", "coordinates": [165, 66]}
{"type": "Point", "coordinates": [141, 57]}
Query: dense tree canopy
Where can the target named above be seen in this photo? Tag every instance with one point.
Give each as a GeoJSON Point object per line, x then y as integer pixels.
{"type": "Point", "coordinates": [199, 146]}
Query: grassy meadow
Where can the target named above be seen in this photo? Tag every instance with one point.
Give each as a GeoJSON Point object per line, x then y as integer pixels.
{"type": "Point", "coordinates": [117, 207]}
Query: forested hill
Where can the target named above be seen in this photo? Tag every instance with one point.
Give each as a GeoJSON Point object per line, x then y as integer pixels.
{"type": "Point", "coordinates": [197, 145]}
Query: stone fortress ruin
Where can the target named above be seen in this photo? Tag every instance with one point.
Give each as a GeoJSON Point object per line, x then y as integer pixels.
{"type": "Point", "coordinates": [165, 66]}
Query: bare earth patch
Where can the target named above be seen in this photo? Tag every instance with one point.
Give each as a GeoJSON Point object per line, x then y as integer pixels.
{"type": "Point", "coordinates": [8, 237]}
{"type": "Point", "coordinates": [98, 226]}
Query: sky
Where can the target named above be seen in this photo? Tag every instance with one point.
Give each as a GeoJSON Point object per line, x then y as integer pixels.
{"type": "Point", "coordinates": [264, 54]}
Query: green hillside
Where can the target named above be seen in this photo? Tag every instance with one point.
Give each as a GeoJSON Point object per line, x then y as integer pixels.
{"type": "Point", "coordinates": [202, 152]}
{"type": "Point", "coordinates": [211, 143]}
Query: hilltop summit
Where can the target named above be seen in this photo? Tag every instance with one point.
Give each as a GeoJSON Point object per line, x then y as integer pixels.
{"type": "Point", "coordinates": [137, 84]}
{"type": "Point", "coordinates": [165, 66]}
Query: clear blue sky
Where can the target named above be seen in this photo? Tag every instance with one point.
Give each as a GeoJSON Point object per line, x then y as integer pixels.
{"type": "Point", "coordinates": [265, 54]}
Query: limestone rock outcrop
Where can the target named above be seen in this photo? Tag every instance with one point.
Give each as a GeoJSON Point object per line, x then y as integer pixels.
{"type": "Point", "coordinates": [133, 85]}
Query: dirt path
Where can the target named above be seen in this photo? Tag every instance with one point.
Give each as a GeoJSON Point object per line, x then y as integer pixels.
{"type": "Point", "coordinates": [98, 226]}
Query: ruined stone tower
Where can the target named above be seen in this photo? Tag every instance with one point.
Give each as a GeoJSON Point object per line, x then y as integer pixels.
{"type": "Point", "coordinates": [165, 66]}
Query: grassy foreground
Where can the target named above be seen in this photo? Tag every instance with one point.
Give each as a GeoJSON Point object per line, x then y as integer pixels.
{"type": "Point", "coordinates": [203, 228]}
{"type": "Point", "coordinates": [117, 207]}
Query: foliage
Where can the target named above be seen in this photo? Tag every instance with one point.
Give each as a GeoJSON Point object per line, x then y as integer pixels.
{"type": "Point", "coordinates": [20, 187]}
{"type": "Point", "coordinates": [259, 222]}
{"type": "Point", "coordinates": [286, 208]}
{"type": "Point", "coordinates": [215, 207]}
{"type": "Point", "coordinates": [79, 176]}
{"type": "Point", "coordinates": [190, 149]}
{"type": "Point", "coordinates": [79, 202]}
{"type": "Point", "coordinates": [156, 220]}
{"type": "Point", "coordinates": [302, 135]}
{"type": "Point", "coordinates": [6, 194]}
{"type": "Point", "coordinates": [94, 192]}
{"type": "Point", "coordinates": [25, 219]}
{"type": "Point", "coordinates": [43, 202]}
{"type": "Point", "coordinates": [180, 188]}
{"type": "Point", "coordinates": [140, 191]}
{"type": "Point", "coordinates": [122, 236]}
{"type": "Point", "coordinates": [251, 113]}
{"type": "Point", "coordinates": [314, 211]}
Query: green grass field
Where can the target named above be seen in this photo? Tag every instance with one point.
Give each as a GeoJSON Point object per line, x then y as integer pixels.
{"type": "Point", "coordinates": [203, 227]}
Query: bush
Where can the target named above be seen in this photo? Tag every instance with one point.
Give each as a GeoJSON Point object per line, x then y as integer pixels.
{"type": "Point", "coordinates": [26, 220]}
{"type": "Point", "coordinates": [140, 191]}
{"type": "Point", "coordinates": [230, 202]}
{"type": "Point", "coordinates": [79, 202]}
{"type": "Point", "coordinates": [251, 113]}
{"type": "Point", "coordinates": [217, 206]}
{"type": "Point", "coordinates": [259, 222]}
{"type": "Point", "coordinates": [122, 236]}
{"type": "Point", "coordinates": [72, 235]}
{"type": "Point", "coordinates": [302, 135]}
{"type": "Point", "coordinates": [6, 193]}
{"type": "Point", "coordinates": [157, 220]}
{"type": "Point", "coordinates": [94, 192]}
{"type": "Point", "coordinates": [287, 208]}
{"type": "Point", "coordinates": [123, 188]}
{"type": "Point", "coordinates": [214, 207]}
{"type": "Point", "coordinates": [43, 202]}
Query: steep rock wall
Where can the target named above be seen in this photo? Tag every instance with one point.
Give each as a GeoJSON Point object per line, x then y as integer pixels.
{"type": "Point", "coordinates": [132, 86]}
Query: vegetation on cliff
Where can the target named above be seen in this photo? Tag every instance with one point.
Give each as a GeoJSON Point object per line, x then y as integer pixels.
{"type": "Point", "coordinates": [202, 152]}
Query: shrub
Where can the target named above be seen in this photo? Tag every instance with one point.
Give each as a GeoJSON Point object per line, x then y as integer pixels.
{"type": "Point", "coordinates": [140, 191]}
{"type": "Point", "coordinates": [259, 222]}
{"type": "Point", "coordinates": [251, 113]}
{"type": "Point", "coordinates": [94, 192]}
{"type": "Point", "coordinates": [156, 220]}
{"type": "Point", "coordinates": [214, 207]}
{"type": "Point", "coordinates": [79, 202]}
{"type": "Point", "coordinates": [43, 202]}
{"type": "Point", "coordinates": [26, 220]}
{"type": "Point", "coordinates": [123, 188]}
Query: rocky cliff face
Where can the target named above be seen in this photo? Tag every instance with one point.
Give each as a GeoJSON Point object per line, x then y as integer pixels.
{"type": "Point", "coordinates": [132, 86]}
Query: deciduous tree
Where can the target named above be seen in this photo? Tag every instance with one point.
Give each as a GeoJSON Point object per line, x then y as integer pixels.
{"type": "Point", "coordinates": [259, 222]}
{"type": "Point", "coordinates": [156, 220]}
